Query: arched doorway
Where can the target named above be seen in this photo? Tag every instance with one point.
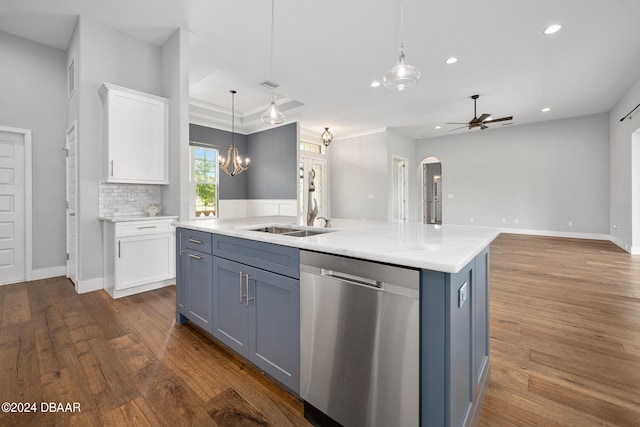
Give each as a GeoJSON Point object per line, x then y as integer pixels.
{"type": "Point", "coordinates": [431, 190]}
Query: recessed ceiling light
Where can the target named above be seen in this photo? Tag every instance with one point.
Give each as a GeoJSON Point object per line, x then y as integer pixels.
{"type": "Point", "coordinates": [545, 109]}
{"type": "Point", "coordinates": [451, 60]}
{"type": "Point", "coordinates": [375, 83]}
{"type": "Point", "coordinates": [554, 28]}
{"type": "Point", "coordinates": [438, 127]}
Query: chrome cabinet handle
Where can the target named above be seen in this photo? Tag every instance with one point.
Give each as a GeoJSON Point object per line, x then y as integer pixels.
{"type": "Point", "coordinates": [147, 226]}
{"type": "Point", "coordinates": [246, 282]}
{"type": "Point", "coordinates": [199, 242]}
{"type": "Point", "coordinates": [240, 283]}
{"type": "Point", "coordinates": [180, 234]}
{"type": "Point", "coordinates": [111, 167]}
{"type": "Point", "coordinates": [118, 248]}
{"type": "Point", "coordinates": [195, 256]}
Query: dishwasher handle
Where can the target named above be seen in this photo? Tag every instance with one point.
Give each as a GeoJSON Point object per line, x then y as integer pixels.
{"type": "Point", "coordinates": [358, 280]}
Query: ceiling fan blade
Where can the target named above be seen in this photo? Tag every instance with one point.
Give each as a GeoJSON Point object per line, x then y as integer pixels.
{"type": "Point", "coordinates": [461, 127]}
{"type": "Point", "coordinates": [501, 119]}
{"type": "Point", "coordinates": [483, 127]}
{"type": "Point", "coordinates": [483, 117]}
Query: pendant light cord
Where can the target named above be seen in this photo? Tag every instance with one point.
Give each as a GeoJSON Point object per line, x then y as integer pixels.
{"type": "Point", "coordinates": [272, 40]}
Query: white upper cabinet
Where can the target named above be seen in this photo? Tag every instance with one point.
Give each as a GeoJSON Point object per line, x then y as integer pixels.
{"type": "Point", "coordinates": [136, 136]}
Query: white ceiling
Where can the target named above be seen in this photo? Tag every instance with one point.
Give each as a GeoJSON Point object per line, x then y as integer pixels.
{"type": "Point", "coordinates": [327, 53]}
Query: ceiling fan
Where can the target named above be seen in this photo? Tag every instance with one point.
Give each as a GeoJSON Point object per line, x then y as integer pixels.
{"type": "Point", "coordinates": [481, 121]}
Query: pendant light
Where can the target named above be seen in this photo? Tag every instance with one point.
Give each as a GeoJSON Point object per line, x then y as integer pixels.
{"type": "Point", "coordinates": [326, 137]}
{"type": "Point", "coordinates": [272, 116]}
{"type": "Point", "coordinates": [233, 157]}
{"type": "Point", "coordinates": [402, 76]}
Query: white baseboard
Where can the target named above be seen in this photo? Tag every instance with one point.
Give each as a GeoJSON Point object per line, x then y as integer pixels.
{"type": "Point", "coordinates": [45, 273]}
{"type": "Point", "coordinates": [90, 285]}
{"type": "Point", "coordinates": [570, 235]}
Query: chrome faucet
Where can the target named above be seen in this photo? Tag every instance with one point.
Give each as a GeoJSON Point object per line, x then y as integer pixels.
{"type": "Point", "coordinates": [327, 222]}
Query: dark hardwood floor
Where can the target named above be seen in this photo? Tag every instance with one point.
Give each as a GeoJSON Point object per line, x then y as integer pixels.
{"type": "Point", "coordinates": [565, 350]}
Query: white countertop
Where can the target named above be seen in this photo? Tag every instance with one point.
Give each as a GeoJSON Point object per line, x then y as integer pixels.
{"type": "Point", "coordinates": [446, 248]}
{"type": "Point", "coordinates": [122, 218]}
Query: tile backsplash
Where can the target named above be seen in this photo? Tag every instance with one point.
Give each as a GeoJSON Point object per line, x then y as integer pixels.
{"type": "Point", "coordinates": [127, 199]}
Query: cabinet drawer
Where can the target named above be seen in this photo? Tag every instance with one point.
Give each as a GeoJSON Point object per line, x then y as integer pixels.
{"type": "Point", "coordinates": [195, 240]}
{"type": "Point", "coordinates": [267, 256]}
{"type": "Point", "coordinates": [130, 228]}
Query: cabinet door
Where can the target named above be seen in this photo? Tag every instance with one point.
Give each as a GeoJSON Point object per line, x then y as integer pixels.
{"type": "Point", "coordinates": [274, 326]}
{"type": "Point", "coordinates": [182, 283]}
{"type": "Point", "coordinates": [199, 288]}
{"type": "Point", "coordinates": [144, 259]}
{"type": "Point", "coordinates": [231, 312]}
{"type": "Point", "coordinates": [136, 138]}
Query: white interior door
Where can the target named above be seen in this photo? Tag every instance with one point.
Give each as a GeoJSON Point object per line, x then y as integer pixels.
{"type": "Point", "coordinates": [400, 191]}
{"type": "Point", "coordinates": [13, 209]}
{"type": "Point", "coordinates": [71, 194]}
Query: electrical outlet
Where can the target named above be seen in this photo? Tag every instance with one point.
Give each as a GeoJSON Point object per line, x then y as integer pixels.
{"type": "Point", "coordinates": [570, 223]}
{"type": "Point", "coordinates": [463, 294]}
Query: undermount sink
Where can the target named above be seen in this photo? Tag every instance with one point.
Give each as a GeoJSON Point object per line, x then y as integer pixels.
{"type": "Point", "coordinates": [289, 231]}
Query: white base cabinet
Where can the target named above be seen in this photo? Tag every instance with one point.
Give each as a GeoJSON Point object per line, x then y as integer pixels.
{"type": "Point", "coordinates": [138, 256]}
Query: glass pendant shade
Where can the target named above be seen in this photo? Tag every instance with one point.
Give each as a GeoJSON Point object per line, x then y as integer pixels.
{"type": "Point", "coordinates": [273, 116]}
{"type": "Point", "coordinates": [402, 76]}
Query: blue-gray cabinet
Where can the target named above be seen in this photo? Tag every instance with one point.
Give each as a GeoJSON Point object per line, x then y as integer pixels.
{"type": "Point", "coordinates": [455, 344]}
{"type": "Point", "coordinates": [247, 295]}
{"type": "Point", "coordinates": [257, 314]}
{"type": "Point", "coordinates": [194, 277]}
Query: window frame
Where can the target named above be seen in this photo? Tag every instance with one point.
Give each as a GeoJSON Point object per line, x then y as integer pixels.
{"type": "Point", "coordinates": [192, 181]}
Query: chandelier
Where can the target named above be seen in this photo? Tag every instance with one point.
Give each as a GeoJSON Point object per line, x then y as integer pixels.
{"type": "Point", "coordinates": [233, 157]}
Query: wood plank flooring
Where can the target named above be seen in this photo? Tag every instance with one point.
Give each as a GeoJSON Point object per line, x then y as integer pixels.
{"type": "Point", "coordinates": [565, 333]}
{"type": "Point", "coordinates": [565, 350]}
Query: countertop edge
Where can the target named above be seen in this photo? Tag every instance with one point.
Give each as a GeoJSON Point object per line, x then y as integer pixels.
{"type": "Point", "coordinates": [451, 257]}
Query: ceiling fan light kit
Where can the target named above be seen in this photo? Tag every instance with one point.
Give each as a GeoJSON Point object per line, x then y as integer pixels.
{"type": "Point", "coordinates": [479, 122]}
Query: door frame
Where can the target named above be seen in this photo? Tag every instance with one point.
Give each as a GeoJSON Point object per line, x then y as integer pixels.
{"type": "Point", "coordinates": [399, 168]}
{"type": "Point", "coordinates": [72, 131]}
{"type": "Point", "coordinates": [28, 201]}
{"type": "Point", "coordinates": [423, 188]}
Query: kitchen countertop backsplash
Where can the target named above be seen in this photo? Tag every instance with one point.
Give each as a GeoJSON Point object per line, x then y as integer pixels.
{"type": "Point", "coordinates": [127, 199]}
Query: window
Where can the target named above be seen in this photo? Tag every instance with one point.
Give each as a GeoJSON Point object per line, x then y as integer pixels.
{"type": "Point", "coordinates": [204, 182]}
{"type": "Point", "coordinates": [311, 147]}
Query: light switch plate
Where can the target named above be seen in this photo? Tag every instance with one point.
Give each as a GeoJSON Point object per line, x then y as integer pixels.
{"type": "Point", "coordinates": [463, 294]}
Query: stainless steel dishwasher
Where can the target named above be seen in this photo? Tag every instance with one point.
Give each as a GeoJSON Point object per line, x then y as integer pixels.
{"type": "Point", "coordinates": [359, 342]}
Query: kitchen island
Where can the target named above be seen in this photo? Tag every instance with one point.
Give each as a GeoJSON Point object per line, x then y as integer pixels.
{"type": "Point", "coordinates": [241, 280]}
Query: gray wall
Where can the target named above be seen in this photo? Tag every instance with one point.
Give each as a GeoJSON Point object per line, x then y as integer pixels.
{"type": "Point", "coordinates": [536, 177]}
{"type": "Point", "coordinates": [273, 168]}
{"type": "Point", "coordinates": [403, 146]}
{"type": "Point", "coordinates": [625, 171]}
{"type": "Point", "coordinates": [175, 83]}
{"type": "Point", "coordinates": [359, 174]}
{"type": "Point", "coordinates": [230, 187]}
{"type": "Point", "coordinates": [33, 88]}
